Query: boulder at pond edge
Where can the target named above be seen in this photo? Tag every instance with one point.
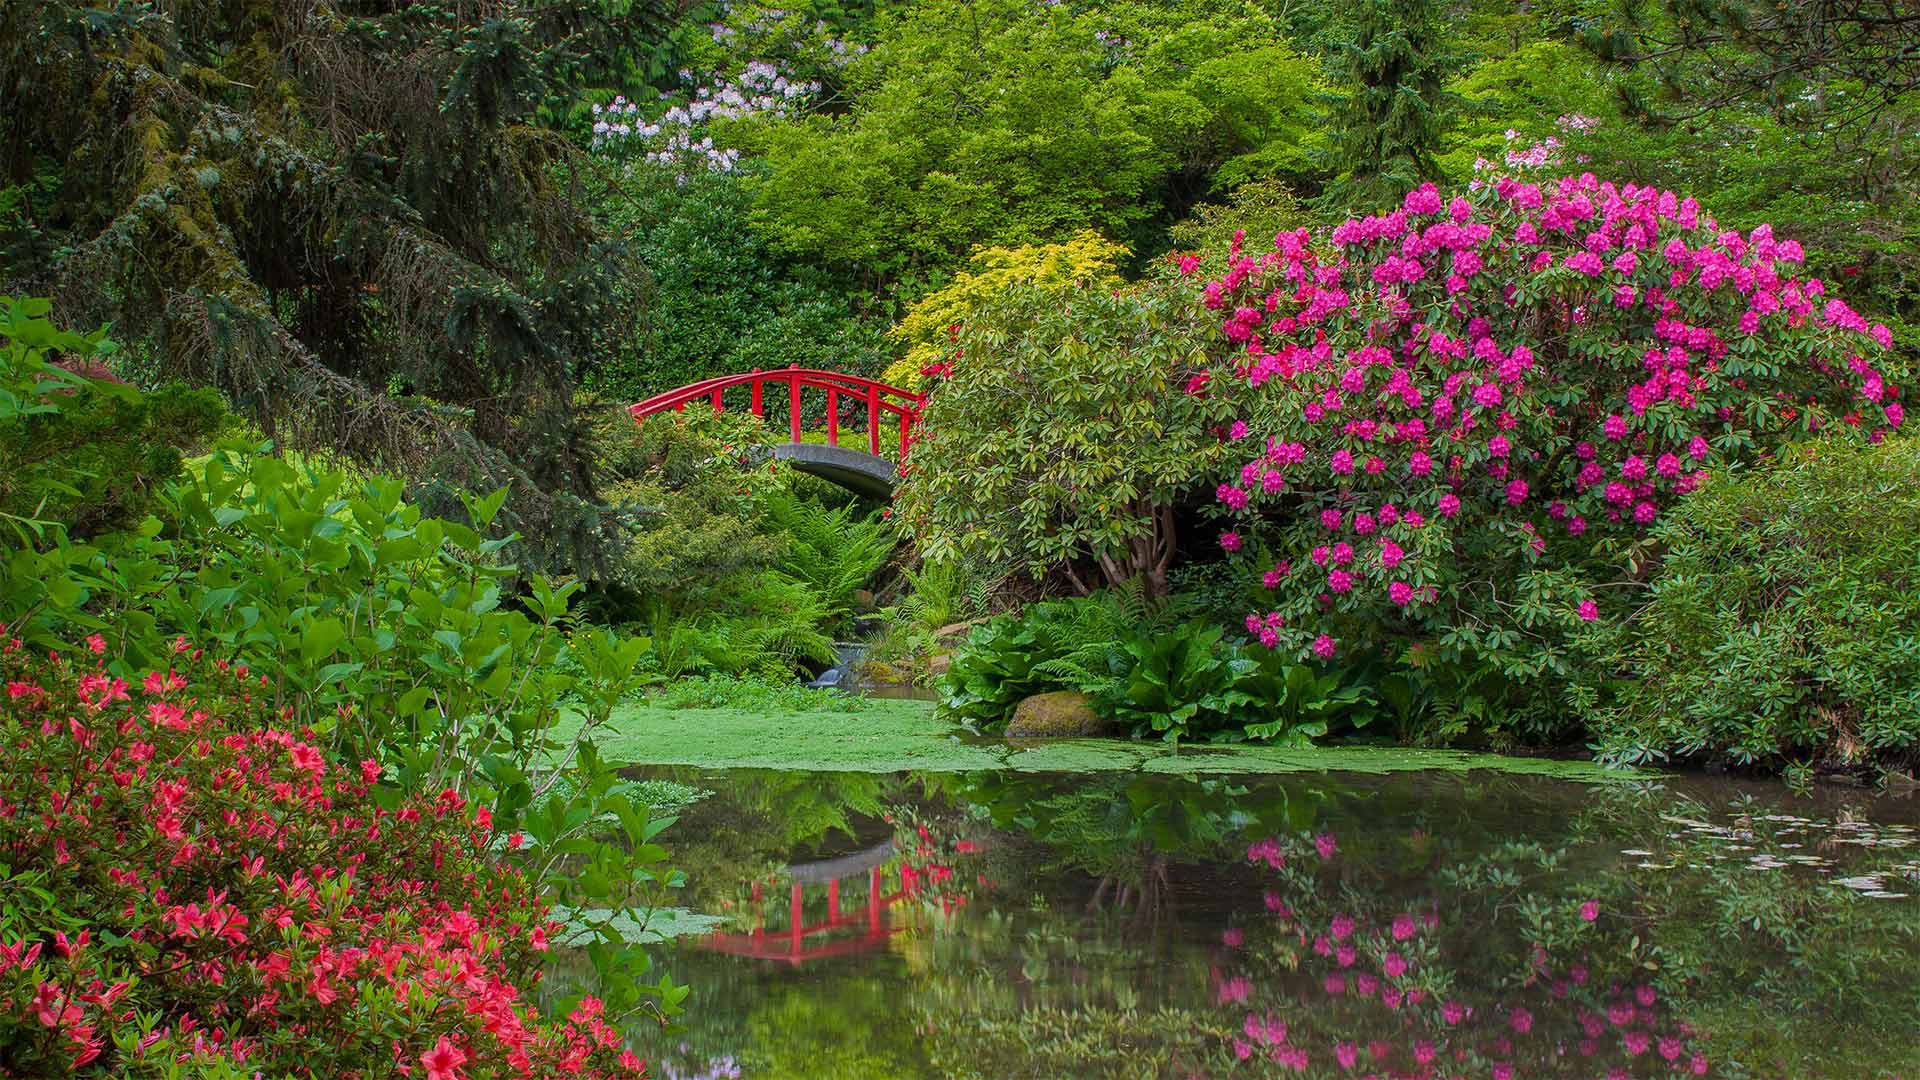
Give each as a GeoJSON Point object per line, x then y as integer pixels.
{"type": "Point", "coordinates": [1062, 712]}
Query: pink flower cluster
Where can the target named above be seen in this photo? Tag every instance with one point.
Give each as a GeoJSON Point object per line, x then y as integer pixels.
{"type": "Point", "coordinates": [1578, 350]}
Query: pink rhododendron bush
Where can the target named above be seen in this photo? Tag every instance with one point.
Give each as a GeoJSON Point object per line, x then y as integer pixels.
{"type": "Point", "coordinates": [190, 890]}
{"type": "Point", "coordinates": [1459, 421]}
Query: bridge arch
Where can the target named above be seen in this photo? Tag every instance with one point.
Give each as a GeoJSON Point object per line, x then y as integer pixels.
{"type": "Point", "coordinates": [866, 472]}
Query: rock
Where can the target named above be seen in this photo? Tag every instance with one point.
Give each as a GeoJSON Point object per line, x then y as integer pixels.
{"type": "Point", "coordinates": [954, 631]}
{"type": "Point", "coordinates": [939, 663]}
{"type": "Point", "coordinates": [1062, 712]}
{"type": "Point", "coordinates": [863, 600]}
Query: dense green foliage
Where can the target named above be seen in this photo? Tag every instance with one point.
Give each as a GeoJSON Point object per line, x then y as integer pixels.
{"type": "Point", "coordinates": [384, 634]}
{"type": "Point", "coordinates": [1149, 671]}
{"type": "Point", "coordinates": [1014, 122]}
{"type": "Point", "coordinates": [82, 449]}
{"type": "Point", "coordinates": [1388, 122]}
{"type": "Point", "coordinates": [737, 568]}
{"type": "Point", "coordinates": [446, 243]}
{"type": "Point", "coordinates": [929, 331]}
{"type": "Point", "coordinates": [719, 298]}
{"type": "Point", "coordinates": [1780, 624]}
{"type": "Point", "coordinates": [1063, 438]}
{"type": "Point", "coordinates": [351, 221]}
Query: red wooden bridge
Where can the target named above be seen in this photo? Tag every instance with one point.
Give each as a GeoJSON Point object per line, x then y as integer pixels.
{"type": "Point", "coordinates": [880, 405]}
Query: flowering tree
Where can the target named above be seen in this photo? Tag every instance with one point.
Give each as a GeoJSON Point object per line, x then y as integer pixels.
{"type": "Point", "coordinates": [1458, 420]}
{"type": "Point", "coordinates": [193, 890]}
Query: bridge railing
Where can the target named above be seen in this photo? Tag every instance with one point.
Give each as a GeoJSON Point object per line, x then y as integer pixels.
{"type": "Point", "coordinates": [880, 400]}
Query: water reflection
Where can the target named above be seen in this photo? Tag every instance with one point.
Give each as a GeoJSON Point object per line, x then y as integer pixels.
{"type": "Point", "coordinates": [1409, 926]}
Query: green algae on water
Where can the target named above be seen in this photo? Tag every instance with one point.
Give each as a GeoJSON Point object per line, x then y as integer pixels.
{"type": "Point", "coordinates": [899, 736]}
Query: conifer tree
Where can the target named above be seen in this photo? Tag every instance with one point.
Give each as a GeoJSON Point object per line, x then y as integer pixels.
{"type": "Point", "coordinates": [1388, 123]}
{"type": "Point", "coordinates": [351, 216]}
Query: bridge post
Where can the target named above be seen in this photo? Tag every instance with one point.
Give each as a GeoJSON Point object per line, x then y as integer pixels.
{"type": "Point", "coordinates": [795, 912]}
{"type": "Point", "coordinates": [757, 410]}
{"type": "Point", "coordinates": [833, 417]}
{"type": "Point", "coordinates": [793, 398]}
{"type": "Point", "coordinates": [873, 420]}
{"type": "Point", "coordinates": [718, 405]}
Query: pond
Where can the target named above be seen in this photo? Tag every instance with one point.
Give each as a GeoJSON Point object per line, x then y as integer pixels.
{"type": "Point", "coordinates": [1473, 924]}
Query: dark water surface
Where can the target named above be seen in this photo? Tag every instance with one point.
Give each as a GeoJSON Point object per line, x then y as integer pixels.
{"type": "Point", "coordinates": [1413, 925]}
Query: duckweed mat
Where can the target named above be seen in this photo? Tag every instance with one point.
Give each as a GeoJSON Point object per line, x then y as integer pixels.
{"type": "Point", "coordinates": [899, 736]}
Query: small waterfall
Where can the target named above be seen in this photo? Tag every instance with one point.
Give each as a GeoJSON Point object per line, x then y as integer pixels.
{"type": "Point", "coordinates": [844, 674]}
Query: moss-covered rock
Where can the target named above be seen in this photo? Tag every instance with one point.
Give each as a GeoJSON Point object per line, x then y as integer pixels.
{"type": "Point", "coordinates": [1062, 712]}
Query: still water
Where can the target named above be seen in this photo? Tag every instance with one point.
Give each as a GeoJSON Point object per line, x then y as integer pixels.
{"type": "Point", "coordinates": [1411, 925]}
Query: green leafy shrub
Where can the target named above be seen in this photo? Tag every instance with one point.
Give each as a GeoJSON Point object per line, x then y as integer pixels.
{"type": "Point", "coordinates": [767, 624]}
{"type": "Point", "coordinates": [1783, 623]}
{"type": "Point", "coordinates": [1175, 683]}
{"type": "Point", "coordinates": [927, 331]}
{"type": "Point", "coordinates": [830, 550]}
{"type": "Point", "coordinates": [384, 635]}
{"type": "Point", "coordinates": [735, 572]}
{"type": "Point", "coordinates": [1063, 439]}
{"type": "Point", "coordinates": [1057, 645]}
{"type": "Point", "coordinates": [748, 693]}
{"type": "Point", "coordinates": [80, 451]}
{"type": "Point", "coordinates": [1147, 671]}
{"type": "Point", "coordinates": [722, 301]}
{"type": "Point", "coordinates": [386, 630]}
{"type": "Point", "coordinates": [1457, 423]}
{"type": "Point", "coordinates": [1036, 122]}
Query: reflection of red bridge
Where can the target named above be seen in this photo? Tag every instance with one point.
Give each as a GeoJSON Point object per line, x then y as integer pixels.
{"type": "Point", "coordinates": [841, 933]}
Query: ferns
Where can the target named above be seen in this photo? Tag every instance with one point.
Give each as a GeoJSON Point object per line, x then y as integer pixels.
{"type": "Point", "coordinates": [765, 623]}
{"type": "Point", "coordinates": [942, 593]}
{"type": "Point", "coordinates": [830, 551]}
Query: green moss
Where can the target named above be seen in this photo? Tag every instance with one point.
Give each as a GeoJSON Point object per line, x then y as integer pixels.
{"type": "Point", "coordinates": [896, 736]}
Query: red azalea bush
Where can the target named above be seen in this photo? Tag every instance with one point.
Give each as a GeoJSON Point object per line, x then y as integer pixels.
{"type": "Point", "coordinates": [188, 886]}
{"type": "Point", "coordinates": [1460, 419]}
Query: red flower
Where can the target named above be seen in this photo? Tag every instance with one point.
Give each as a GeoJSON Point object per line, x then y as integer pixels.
{"type": "Point", "coordinates": [443, 1061]}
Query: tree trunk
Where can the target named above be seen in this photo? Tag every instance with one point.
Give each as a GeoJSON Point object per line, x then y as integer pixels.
{"type": "Point", "coordinates": [1147, 557]}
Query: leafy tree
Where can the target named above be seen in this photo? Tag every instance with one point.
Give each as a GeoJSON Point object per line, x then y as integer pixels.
{"type": "Point", "coordinates": [720, 300]}
{"type": "Point", "coordinates": [1390, 117]}
{"type": "Point", "coordinates": [349, 219]}
{"type": "Point", "coordinates": [1742, 52]}
{"type": "Point", "coordinates": [1065, 436]}
{"type": "Point", "coordinates": [1256, 211]}
{"type": "Point", "coordinates": [931, 327]}
{"type": "Point", "coordinates": [84, 452]}
{"type": "Point", "coordinates": [1007, 122]}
